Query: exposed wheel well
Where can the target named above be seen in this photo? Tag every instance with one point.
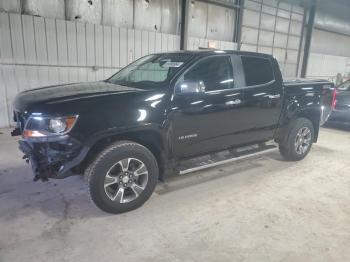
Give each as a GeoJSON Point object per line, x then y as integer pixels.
{"type": "Point", "coordinates": [149, 139]}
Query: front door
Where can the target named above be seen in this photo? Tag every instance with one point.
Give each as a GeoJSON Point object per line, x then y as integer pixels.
{"type": "Point", "coordinates": [207, 121]}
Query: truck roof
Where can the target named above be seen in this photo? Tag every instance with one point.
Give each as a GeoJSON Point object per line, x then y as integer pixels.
{"type": "Point", "coordinates": [286, 82]}
{"type": "Point", "coordinates": [206, 52]}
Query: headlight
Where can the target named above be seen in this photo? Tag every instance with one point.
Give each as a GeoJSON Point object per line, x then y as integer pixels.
{"type": "Point", "coordinates": [42, 126]}
{"type": "Point", "coordinates": [57, 125]}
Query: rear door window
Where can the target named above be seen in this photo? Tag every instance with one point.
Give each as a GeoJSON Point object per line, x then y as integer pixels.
{"type": "Point", "coordinates": [257, 70]}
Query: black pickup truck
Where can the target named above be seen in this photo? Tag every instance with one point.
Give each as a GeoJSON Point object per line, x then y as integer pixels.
{"type": "Point", "coordinates": [135, 128]}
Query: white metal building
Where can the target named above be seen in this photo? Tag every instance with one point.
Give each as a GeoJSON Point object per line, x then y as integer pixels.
{"type": "Point", "coordinates": [52, 42]}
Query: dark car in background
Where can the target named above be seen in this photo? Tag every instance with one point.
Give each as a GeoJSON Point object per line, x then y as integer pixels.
{"type": "Point", "coordinates": [341, 111]}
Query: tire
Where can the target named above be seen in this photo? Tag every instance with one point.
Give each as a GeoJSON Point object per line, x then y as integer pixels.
{"type": "Point", "coordinates": [87, 172]}
{"type": "Point", "coordinates": [122, 177]}
{"type": "Point", "coordinates": [283, 151]}
{"type": "Point", "coordinates": [299, 140]}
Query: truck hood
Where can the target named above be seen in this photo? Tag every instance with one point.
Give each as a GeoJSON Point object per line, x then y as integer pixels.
{"type": "Point", "coordinates": [68, 92]}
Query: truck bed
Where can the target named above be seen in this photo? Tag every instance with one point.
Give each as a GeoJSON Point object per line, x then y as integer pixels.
{"type": "Point", "coordinates": [312, 88]}
{"type": "Point", "coordinates": [300, 81]}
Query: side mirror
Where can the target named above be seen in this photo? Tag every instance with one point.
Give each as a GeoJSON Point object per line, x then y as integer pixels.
{"type": "Point", "coordinates": [190, 87]}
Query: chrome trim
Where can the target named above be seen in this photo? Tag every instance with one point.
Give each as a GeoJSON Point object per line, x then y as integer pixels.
{"type": "Point", "coordinates": [274, 96]}
{"type": "Point", "coordinates": [190, 170]}
{"type": "Point", "coordinates": [233, 102]}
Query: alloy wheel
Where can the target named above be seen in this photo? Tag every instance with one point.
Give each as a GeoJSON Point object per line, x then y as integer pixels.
{"type": "Point", "coordinates": [302, 140]}
{"type": "Point", "coordinates": [126, 180]}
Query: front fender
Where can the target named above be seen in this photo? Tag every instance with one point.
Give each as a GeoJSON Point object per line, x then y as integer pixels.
{"type": "Point", "coordinates": [152, 136]}
{"type": "Point", "coordinates": [118, 131]}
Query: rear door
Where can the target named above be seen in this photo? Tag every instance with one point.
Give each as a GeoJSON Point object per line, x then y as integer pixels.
{"type": "Point", "coordinates": [263, 93]}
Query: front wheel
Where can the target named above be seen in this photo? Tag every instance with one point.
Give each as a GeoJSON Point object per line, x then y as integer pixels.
{"type": "Point", "coordinates": [122, 177]}
{"type": "Point", "coordinates": [299, 140]}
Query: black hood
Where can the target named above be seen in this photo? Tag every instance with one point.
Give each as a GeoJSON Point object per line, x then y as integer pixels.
{"type": "Point", "coordinates": [69, 92]}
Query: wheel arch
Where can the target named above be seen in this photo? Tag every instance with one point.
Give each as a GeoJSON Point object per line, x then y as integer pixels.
{"type": "Point", "coordinates": [151, 139]}
{"type": "Point", "coordinates": [313, 114]}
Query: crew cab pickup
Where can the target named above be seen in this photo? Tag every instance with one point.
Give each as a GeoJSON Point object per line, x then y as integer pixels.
{"type": "Point", "coordinates": [133, 129]}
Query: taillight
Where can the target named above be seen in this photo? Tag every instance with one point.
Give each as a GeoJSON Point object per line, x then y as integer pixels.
{"type": "Point", "coordinates": [334, 99]}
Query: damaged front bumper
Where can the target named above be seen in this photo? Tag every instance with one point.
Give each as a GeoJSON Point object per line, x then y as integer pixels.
{"type": "Point", "coordinates": [53, 157]}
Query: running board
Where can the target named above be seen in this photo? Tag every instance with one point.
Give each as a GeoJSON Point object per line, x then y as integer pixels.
{"type": "Point", "coordinates": [224, 157]}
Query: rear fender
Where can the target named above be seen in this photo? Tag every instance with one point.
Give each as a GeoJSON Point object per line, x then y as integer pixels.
{"type": "Point", "coordinates": [294, 110]}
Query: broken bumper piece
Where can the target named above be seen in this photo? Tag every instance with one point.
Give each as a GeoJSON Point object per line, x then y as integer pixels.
{"type": "Point", "coordinates": [53, 159]}
{"type": "Point", "coordinates": [16, 132]}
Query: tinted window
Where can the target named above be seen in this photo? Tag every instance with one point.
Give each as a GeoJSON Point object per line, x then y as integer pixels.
{"type": "Point", "coordinates": [257, 70]}
{"type": "Point", "coordinates": [216, 73]}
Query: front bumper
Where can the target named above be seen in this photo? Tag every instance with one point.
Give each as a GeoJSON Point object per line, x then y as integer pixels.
{"type": "Point", "coordinates": [53, 158]}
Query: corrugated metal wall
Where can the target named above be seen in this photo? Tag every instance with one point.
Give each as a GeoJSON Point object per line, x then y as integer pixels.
{"type": "Point", "coordinates": [84, 11]}
{"type": "Point", "coordinates": [210, 21]}
{"type": "Point", "coordinates": [154, 15]}
{"type": "Point", "coordinates": [36, 51]}
{"type": "Point", "coordinates": [273, 27]}
{"type": "Point", "coordinates": [10, 6]}
{"type": "Point", "coordinates": [44, 8]}
{"type": "Point", "coordinates": [211, 25]}
{"type": "Point", "coordinates": [329, 51]}
{"type": "Point", "coordinates": [328, 66]}
{"type": "Point", "coordinates": [329, 56]}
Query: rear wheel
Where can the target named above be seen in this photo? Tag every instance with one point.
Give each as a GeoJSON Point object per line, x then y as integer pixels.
{"type": "Point", "coordinates": [299, 140]}
{"type": "Point", "coordinates": [122, 177]}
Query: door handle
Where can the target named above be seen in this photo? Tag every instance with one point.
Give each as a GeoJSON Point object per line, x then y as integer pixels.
{"type": "Point", "coordinates": [274, 96]}
{"type": "Point", "coordinates": [233, 102]}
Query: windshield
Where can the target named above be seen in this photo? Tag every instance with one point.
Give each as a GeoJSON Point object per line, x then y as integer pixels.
{"type": "Point", "coordinates": [344, 86]}
{"type": "Point", "coordinates": [152, 71]}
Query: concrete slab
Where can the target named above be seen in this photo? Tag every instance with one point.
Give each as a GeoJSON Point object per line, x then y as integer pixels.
{"type": "Point", "coordinates": [258, 209]}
